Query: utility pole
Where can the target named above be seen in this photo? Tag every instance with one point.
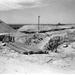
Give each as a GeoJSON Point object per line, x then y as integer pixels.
{"type": "Point", "coordinates": [38, 23]}
{"type": "Point", "coordinates": [38, 26]}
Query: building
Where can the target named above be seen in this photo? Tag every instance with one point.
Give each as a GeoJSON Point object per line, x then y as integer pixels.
{"type": "Point", "coordinates": [5, 31]}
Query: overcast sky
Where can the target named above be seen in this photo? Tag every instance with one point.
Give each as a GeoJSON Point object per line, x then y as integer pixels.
{"type": "Point", "coordinates": [27, 11]}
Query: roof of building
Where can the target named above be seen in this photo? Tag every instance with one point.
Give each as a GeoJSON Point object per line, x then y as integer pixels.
{"type": "Point", "coordinates": [4, 28]}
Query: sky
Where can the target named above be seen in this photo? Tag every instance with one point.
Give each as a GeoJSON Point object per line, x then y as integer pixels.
{"type": "Point", "coordinates": [27, 11]}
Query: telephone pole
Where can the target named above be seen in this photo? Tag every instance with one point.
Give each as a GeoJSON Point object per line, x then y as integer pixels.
{"type": "Point", "coordinates": [38, 23]}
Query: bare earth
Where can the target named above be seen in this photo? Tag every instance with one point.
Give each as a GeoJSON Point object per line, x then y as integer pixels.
{"type": "Point", "coordinates": [12, 62]}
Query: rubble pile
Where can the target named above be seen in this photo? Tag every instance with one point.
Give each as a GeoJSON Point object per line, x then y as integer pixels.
{"type": "Point", "coordinates": [56, 41]}
{"type": "Point", "coordinates": [53, 43]}
{"type": "Point", "coordinates": [34, 39]}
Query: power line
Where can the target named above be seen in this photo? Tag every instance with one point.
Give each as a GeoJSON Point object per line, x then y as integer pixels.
{"type": "Point", "coordinates": [17, 10]}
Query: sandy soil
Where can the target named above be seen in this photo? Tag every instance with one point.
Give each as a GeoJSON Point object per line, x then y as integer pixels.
{"type": "Point", "coordinates": [12, 62]}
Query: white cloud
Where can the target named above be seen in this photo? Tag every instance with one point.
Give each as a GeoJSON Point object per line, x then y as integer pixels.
{"type": "Point", "coordinates": [18, 4]}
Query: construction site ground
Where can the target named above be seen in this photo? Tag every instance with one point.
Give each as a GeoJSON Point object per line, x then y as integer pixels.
{"type": "Point", "coordinates": [12, 62]}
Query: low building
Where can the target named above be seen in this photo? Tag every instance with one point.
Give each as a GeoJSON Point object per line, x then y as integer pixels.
{"type": "Point", "coordinates": [5, 31]}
